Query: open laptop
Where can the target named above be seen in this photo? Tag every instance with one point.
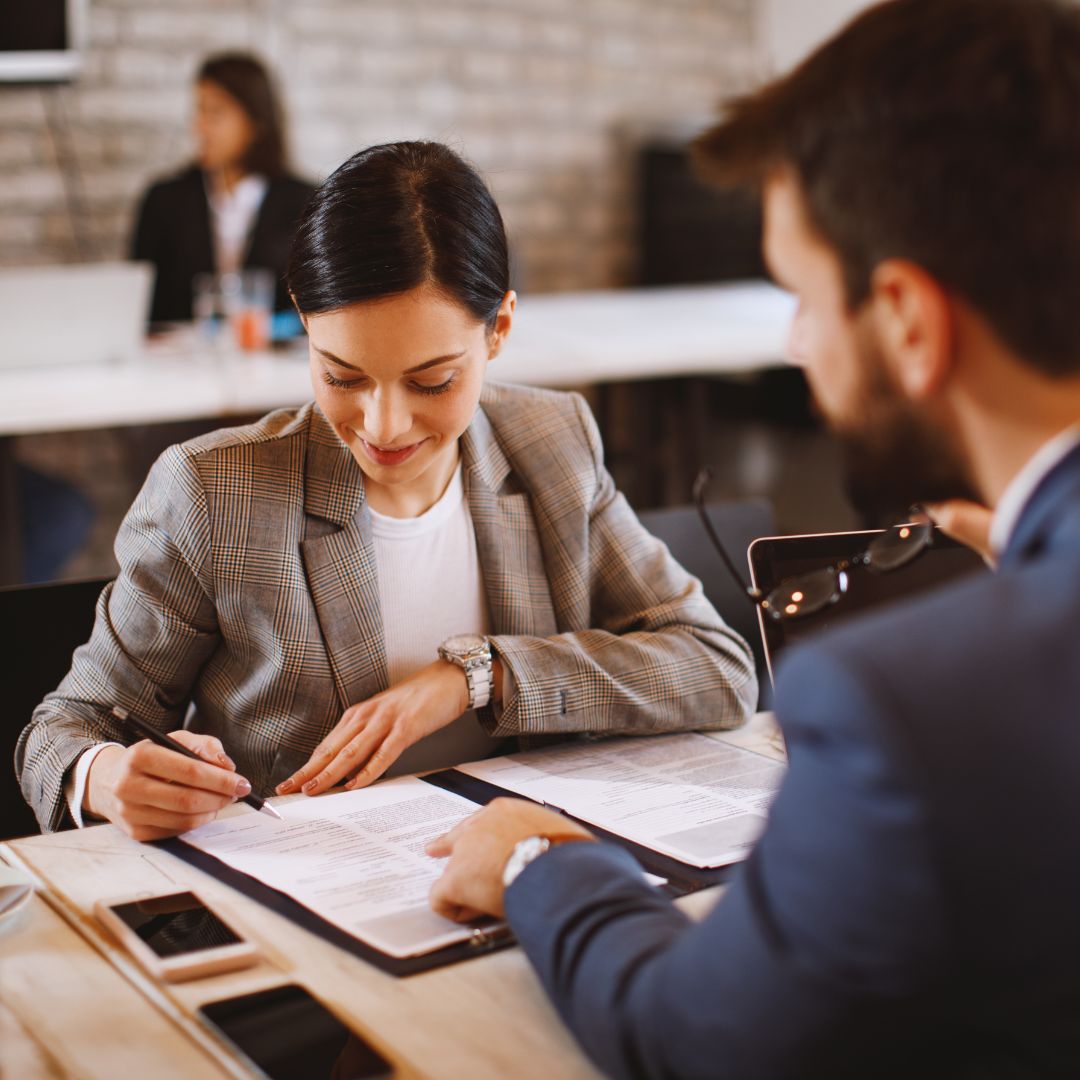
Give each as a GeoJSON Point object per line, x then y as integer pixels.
{"type": "Point", "coordinates": [92, 313]}
{"type": "Point", "coordinates": [774, 559]}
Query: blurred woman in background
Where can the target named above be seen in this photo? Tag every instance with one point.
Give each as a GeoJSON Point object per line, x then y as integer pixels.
{"type": "Point", "coordinates": [236, 205]}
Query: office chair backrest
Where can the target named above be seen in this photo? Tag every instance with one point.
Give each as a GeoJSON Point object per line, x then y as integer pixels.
{"type": "Point", "coordinates": [737, 522]}
{"type": "Point", "coordinates": [42, 626]}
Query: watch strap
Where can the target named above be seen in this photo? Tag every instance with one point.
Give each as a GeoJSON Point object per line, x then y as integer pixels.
{"type": "Point", "coordinates": [480, 679]}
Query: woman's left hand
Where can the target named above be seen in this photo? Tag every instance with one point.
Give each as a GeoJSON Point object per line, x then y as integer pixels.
{"type": "Point", "coordinates": [371, 736]}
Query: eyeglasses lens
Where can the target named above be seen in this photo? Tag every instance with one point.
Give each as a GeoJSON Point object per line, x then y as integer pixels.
{"type": "Point", "coordinates": [806, 593]}
{"type": "Point", "coordinates": [898, 546]}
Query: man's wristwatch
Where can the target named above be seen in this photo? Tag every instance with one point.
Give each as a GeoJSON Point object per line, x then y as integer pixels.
{"type": "Point", "coordinates": [472, 654]}
{"type": "Point", "coordinates": [525, 851]}
{"type": "Point", "coordinates": [532, 847]}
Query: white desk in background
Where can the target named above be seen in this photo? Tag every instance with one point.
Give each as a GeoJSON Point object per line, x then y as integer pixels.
{"type": "Point", "coordinates": [559, 340]}
{"type": "Point", "coordinates": [577, 339]}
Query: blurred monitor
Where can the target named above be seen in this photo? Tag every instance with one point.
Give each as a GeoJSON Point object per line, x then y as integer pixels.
{"type": "Point", "coordinates": [90, 314]}
{"type": "Point", "coordinates": [40, 40]}
{"type": "Point", "coordinates": [691, 232]}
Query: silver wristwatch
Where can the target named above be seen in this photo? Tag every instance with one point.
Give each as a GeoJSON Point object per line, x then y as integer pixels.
{"type": "Point", "coordinates": [525, 851]}
{"type": "Point", "coordinates": [472, 654]}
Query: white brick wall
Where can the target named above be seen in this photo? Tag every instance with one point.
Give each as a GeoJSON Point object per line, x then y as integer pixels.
{"type": "Point", "coordinates": [540, 94]}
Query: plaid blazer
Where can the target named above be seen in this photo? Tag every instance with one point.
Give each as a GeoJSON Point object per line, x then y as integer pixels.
{"type": "Point", "coordinates": [248, 588]}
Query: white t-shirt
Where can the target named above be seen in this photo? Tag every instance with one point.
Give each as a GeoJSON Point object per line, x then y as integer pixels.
{"type": "Point", "coordinates": [431, 587]}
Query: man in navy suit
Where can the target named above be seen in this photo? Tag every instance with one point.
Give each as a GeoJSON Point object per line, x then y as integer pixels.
{"type": "Point", "coordinates": [913, 907]}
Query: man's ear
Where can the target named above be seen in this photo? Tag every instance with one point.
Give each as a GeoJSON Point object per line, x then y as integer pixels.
{"type": "Point", "coordinates": [504, 320]}
{"type": "Point", "coordinates": [913, 316]}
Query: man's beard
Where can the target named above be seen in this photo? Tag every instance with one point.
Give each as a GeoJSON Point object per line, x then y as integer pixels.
{"type": "Point", "coordinates": [894, 456]}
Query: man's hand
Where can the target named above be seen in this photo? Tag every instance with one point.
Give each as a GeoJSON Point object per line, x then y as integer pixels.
{"type": "Point", "coordinates": [151, 792]}
{"type": "Point", "coordinates": [478, 847]}
{"type": "Point", "coordinates": [371, 736]}
{"type": "Point", "coordinates": [965, 521]}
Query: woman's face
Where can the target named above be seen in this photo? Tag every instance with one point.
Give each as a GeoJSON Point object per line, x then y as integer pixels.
{"type": "Point", "coordinates": [222, 128]}
{"type": "Point", "coordinates": [399, 379]}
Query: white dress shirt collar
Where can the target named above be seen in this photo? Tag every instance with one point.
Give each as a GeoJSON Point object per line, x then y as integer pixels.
{"type": "Point", "coordinates": [232, 218]}
{"type": "Point", "coordinates": [1023, 485]}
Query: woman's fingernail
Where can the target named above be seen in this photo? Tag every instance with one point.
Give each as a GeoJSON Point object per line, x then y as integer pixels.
{"type": "Point", "coordinates": [242, 788]}
{"type": "Point", "coordinates": [310, 786]}
{"type": "Point", "coordinates": [226, 761]}
{"type": "Point", "coordinates": [286, 786]}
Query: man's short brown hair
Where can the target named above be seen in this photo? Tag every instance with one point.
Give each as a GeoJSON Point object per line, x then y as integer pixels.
{"type": "Point", "coordinates": [946, 132]}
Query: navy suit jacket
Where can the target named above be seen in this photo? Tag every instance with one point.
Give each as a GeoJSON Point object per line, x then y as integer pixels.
{"type": "Point", "coordinates": [913, 907]}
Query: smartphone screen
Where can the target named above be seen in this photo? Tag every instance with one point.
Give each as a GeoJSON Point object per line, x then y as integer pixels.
{"type": "Point", "coordinates": [175, 925]}
{"type": "Point", "coordinates": [288, 1035]}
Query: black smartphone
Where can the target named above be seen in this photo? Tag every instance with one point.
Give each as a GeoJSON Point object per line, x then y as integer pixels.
{"type": "Point", "coordinates": [286, 1034]}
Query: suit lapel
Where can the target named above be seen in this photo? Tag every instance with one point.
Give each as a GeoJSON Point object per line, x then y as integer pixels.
{"type": "Point", "coordinates": [258, 252]}
{"type": "Point", "coordinates": [339, 557]}
{"type": "Point", "coordinates": [197, 227]}
{"type": "Point", "coordinates": [511, 556]}
{"type": "Point", "coordinates": [339, 561]}
{"type": "Point", "coordinates": [1051, 515]}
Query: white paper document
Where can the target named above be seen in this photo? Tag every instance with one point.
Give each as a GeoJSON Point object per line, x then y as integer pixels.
{"type": "Point", "coordinates": [696, 799]}
{"type": "Point", "coordinates": [356, 858]}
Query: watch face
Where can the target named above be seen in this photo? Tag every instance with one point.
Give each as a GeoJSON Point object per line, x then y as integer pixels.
{"type": "Point", "coordinates": [461, 644]}
{"type": "Point", "coordinates": [533, 846]}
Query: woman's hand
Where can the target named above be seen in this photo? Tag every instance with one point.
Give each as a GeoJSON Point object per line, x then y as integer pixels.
{"type": "Point", "coordinates": [965, 521]}
{"type": "Point", "coordinates": [371, 736]}
{"type": "Point", "coordinates": [151, 792]}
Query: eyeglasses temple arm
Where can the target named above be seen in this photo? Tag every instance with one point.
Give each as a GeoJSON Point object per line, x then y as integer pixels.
{"type": "Point", "coordinates": [700, 484]}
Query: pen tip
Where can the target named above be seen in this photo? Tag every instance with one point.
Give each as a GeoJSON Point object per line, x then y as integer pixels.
{"type": "Point", "coordinates": [268, 809]}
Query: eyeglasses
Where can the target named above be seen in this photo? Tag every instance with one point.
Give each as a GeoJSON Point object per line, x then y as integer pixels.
{"type": "Point", "coordinates": [805, 594]}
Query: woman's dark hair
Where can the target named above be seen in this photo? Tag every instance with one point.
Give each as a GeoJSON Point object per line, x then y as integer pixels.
{"type": "Point", "coordinates": [244, 78]}
{"type": "Point", "coordinates": [395, 217]}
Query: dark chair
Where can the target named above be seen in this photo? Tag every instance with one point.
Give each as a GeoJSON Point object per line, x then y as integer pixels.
{"type": "Point", "coordinates": [738, 522]}
{"type": "Point", "coordinates": [42, 627]}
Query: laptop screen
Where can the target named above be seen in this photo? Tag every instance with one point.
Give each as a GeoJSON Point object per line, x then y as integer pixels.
{"type": "Point", "coordinates": [774, 559]}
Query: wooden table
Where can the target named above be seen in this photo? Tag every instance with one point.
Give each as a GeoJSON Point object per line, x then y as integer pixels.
{"type": "Point", "coordinates": [71, 1004]}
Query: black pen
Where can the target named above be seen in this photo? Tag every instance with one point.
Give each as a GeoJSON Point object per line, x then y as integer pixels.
{"type": "Point", "coordinates": [155, 736]}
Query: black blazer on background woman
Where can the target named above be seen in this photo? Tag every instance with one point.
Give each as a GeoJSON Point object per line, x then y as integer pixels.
{"type": "Point", "coordinates": [173, 232]}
